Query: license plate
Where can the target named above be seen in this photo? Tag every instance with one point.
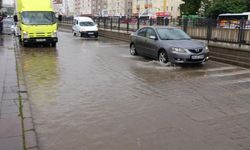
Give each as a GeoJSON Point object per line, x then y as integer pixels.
{"type": "Point", "coordinates": [91, 33]}
{"type": "Point", "coordinates": [40, 40]}
{"type": "Point", "coordinates": [198, 57]}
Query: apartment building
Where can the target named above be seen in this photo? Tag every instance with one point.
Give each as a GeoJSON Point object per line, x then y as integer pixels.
{"type": "Point", "coordinates": [83, 7]}
{"type": "Point", "coordinates": [69, 7]}
{"type": "Point", "coordinates": [141, 7]}
{"type": "Point", "coordinates": [99, 8]}
{"type": "Point", "coordinates": [58, 6]}
{"type": "Point", "coordinates": [90, 7]}
{"type": "Point", "coordinates": [157, 8]}
{"type": "Point", "coordinates": [120, 8]}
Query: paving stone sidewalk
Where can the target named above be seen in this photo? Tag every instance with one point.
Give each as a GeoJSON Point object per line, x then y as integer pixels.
{"type": "Point", "coordinates": [10, 120]}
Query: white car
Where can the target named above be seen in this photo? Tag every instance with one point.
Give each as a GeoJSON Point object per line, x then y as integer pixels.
{"type": "Point", "coordinates": [84, 27]}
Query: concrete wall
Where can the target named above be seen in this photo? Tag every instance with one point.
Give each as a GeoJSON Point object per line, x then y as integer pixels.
{"type": "Point", "coordinates": [115, 35]}
{"type": "Point", "coordinates": [219, 34]}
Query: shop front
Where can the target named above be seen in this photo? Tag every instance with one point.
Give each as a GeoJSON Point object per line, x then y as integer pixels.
{"type": "Point", "coordinates": [162, 18]}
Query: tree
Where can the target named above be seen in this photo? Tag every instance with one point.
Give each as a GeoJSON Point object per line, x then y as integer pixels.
{"type": "Point", "coordinates": [190, 7]}
{"type": "Point", "coordinates": [205, 5]}
{"type": "Point", "coordinates": [226, 6]}
{"type": "Point", "coordinates": [248, 5]}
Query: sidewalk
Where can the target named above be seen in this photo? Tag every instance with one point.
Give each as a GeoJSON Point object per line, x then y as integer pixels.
{"type": "Point", "coordinates": [10, 121]}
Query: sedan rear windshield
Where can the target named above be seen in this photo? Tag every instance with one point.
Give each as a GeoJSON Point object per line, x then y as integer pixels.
{"type": "Point", "coordinates": [87, 23]}
{"type": "Point", "coordinates": [172, 34]}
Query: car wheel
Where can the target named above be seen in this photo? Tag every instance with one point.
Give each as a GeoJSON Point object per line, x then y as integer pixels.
{"type": "Point", "coordinates": [53, 44]}
{"type": "Point", "coordinates": [25, 44]}
{"type": "Point", "coordinates": [163, 57]}
{"type": "Point", "coordinates": [74, 34]}
{"type": "Point", "coordinates": [133, 50]}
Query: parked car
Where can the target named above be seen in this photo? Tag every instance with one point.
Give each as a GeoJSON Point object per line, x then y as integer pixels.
{"type": "Point", "coordinates": [85, 27]}
{"type": "Point", "coordinates": [168, 44]}
{"type": "Point", "coordinates": [9, 26]}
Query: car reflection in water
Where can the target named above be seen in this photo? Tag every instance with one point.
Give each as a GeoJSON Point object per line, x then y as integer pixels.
{"type": "Point", "coordinates": [168, 44]}
{"type": "Point", "coordinates": [40, 66]}
{"type": "Point", "coordinates": [1, 41]}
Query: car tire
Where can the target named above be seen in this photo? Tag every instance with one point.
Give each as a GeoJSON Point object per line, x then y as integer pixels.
{"type": "Point", "coordinates": [74, 34]}
{"type": "Point", "coordinates": [20, 40]}
{"type": "Point", "coordinates": [163, 57]}
{"type": "Point", "coordinates": [53, 44]}
{"type": "Point", "coordinates": [25, 44]}
{"type": "Point", "coordinates": [201, 63]}
{"type": "Point", "coordinates": [133, 50]}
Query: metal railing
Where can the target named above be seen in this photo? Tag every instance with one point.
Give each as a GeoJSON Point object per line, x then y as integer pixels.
{"type": "Point", "coordinates": [205, 29]}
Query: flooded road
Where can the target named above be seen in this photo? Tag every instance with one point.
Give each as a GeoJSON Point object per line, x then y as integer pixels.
{"type": "Point", "coordinates": [91, 94]}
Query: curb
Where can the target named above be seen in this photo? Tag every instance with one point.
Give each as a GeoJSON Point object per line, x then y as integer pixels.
{"type": "Point", "coordinates": [30, 140]}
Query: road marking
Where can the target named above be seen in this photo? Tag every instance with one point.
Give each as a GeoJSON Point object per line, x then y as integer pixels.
{"type": "Point", "coordinates": [219, 69]}
{"type": "Point", "coordinates": [244, 80]}
{"type": "Point", "coordinates": [209, 70]}
{"type": "Point", "coordinates": [230, 74]}
{"type": "Point", "coordinates": [113, 45]}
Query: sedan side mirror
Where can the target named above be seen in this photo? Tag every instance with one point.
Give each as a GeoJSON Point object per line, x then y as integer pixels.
{"type": "Point", "coordinates": [153, 37]}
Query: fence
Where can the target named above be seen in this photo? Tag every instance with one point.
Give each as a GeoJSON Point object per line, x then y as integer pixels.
{"type": "Point", "coordinates": [205, 29]}
{"type": "Point", "coordinates": [208, 29]}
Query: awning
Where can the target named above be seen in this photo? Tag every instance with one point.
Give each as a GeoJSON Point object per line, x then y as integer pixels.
{"type": "Point", "coordinates": [162, 14]}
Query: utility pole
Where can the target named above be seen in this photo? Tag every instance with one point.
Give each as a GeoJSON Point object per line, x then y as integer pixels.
{"type": "Point", "coordinates": [164, 6]}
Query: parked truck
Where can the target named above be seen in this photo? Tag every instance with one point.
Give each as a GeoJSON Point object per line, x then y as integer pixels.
{"type": "Point", "coordinates": [36, 22]}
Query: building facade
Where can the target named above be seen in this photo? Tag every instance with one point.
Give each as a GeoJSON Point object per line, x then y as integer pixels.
{"type": "Point", "coordinates": [99, 8]}
{"type": "Point", "coordinates": [83, 7]}
{"type": "Point", "coordinates": [58, 6]}
{"type": "Point", "coordinates": [120, 8]}
{"type": "Point", "coordinates": [157, 8]}
{"type": "Point", "coordinates": [69, 7]}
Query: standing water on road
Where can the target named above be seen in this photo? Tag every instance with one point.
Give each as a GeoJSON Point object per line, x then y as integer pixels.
{"type": "Point", "coordinates": [89, 94]}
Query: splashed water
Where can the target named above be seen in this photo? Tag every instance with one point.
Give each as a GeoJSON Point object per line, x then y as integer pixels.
{"type": "Point", "coordinates": [157, 65]}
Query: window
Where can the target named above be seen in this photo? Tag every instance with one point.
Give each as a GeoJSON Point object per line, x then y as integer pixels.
{"type": "Point", "coordinates": [87, 23]}
{"type": "Point", "coordinates": [172, 34]}
{"type": "Point", "coordinates": [142, 32]}
{"type": "Point", "coordinates": [150, 32]}
{"type": "Point", "coordinates": [38, 17]}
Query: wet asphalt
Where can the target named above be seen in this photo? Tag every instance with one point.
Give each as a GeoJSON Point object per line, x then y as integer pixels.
{"type": "Point", "coordinates": [89, 94]}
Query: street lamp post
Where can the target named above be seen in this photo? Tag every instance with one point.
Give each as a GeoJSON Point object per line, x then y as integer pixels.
{"type": "Point", "coordinates": [164, 6]}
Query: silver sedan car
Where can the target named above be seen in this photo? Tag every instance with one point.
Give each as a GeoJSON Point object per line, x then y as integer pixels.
{"type": "Point", "coordinates": [168, 44]}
